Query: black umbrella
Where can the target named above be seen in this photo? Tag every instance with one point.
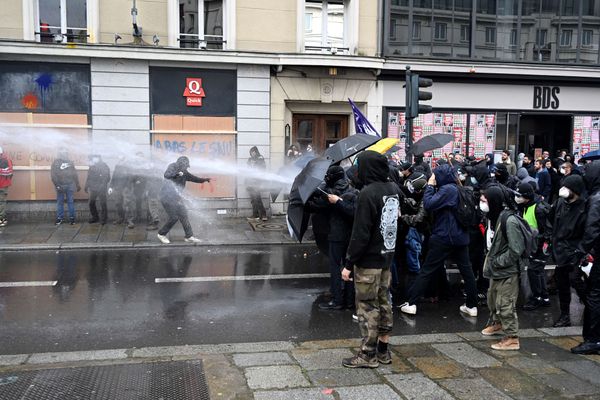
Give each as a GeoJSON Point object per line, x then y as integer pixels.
{"type": "Point", "coordinates": [297, 215]}
{"type": "Point", "coordinates": [430, 142]}
{"type": "Point", "coordinates": [349, 146]}
{"type": "Point", "coordinates": [310, 177]}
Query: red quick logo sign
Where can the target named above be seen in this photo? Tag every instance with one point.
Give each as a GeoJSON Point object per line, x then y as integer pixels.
{"type": "Point", "coordinates": [193, 92]}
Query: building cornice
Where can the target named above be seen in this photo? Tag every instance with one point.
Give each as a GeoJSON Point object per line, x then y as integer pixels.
{"type": "Point", "coordinates": [13, 49]}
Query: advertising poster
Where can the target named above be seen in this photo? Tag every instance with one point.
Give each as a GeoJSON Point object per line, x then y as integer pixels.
{"type": "Point", "coordinates": [483, 134]}
{"type": "Point", "coordinates": [586, 134]}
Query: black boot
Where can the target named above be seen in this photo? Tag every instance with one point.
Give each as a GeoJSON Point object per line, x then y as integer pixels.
{"type": "Point", "coordinates": [586, 348]}
{"type": "Point", "coordinates": [562, 321]}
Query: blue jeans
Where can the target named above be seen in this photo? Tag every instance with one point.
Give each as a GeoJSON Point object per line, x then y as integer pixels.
{"type": "Point", "coordinates": [413, 250]}
{"type": "Point", "coordinates": [67, 191]}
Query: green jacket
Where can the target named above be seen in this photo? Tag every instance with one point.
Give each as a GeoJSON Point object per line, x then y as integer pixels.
{"type": "Point", "coordinates": [504, 258]}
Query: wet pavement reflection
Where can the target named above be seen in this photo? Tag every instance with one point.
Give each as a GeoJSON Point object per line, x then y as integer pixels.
{"type": "Point", "coordinates": [108, 299]}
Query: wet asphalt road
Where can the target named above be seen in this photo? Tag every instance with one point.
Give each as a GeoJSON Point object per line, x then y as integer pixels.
{"type": "Point", "coordinates": [109, 299]}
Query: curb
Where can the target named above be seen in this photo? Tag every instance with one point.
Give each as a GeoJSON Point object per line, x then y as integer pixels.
{"type": "Point", "coordinates": [140, 245]}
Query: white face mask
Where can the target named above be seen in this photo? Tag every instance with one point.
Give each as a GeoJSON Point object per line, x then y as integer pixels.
{"type": "Point", "coordinates": [462, 177]}
{"type": "Point", "coordinates": [520, 200]}
{"type": "Point", "coordinates": [410, 187]}
{"type": "Point", "coordinates": [562, 171]}
{"type": "Point", "coordinates": [564, 192]}
{"type": "Point", "coordinates": [484, 207]}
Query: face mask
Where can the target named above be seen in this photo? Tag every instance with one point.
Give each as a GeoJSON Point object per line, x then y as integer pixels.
{"type": "Point", "coordinates": [492, 175]}
{"type": "Point", "coordinates": [520, 200]}
{"type": "Point", "coordinates": [474, 180]}
{"type": "Point", "coordinates": [564, 192]}
{"type": "Point", "coordinates": [410, 187]}
{"type": "Point", "coordinates": [461, 177]}
{"type": "Point", "coordinates": [484, 207]}
{"type": "Point", "coordinates": [562, 171]}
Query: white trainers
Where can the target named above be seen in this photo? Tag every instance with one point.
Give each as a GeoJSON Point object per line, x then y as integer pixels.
{"type": "Point", "coordinates": [192, 239]}
{"type": "Point", "coordinates": [163, 239]}
{"type": "Point", "coordinates": [354, 317]}
{"type": "Point", "coordinates": [408, 309]}
{"type": "Point", "coordinates": [471, 312]}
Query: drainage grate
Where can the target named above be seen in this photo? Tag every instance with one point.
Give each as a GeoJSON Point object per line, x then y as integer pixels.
{"type": "Point", "coordinates": [180, 380]}
{"type": "Point", "coordinates": [262, 226]}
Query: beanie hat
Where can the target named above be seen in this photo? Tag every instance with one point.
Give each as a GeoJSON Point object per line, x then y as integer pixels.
{"type": "Point", "coordinates": [334, 174]}
{"type": "Point", "coordinates": [525, 190]}
{"type": "Point", "coordinates": [405, 166]}
{"type": "Point", "coordinates": [417, 180]}
{"type": "Point", "coordinates": [574, 183]}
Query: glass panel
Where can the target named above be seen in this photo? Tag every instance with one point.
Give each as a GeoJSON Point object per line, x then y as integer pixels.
{"type": "Point", "coordinates": [443, 34]}
{"type": "Point", "coordinates": [333, 129]}
{"type": "Point", "coordinates": [462, 21]}
{"type": "Point", "coordinates": [49, 13]}
{"type": "Point", "coordinates": [312, 37]}
{"type": "Point", "coordinates": [213, 23]}
{"type": "Point", "coordinates": [590, 37]}
{"type": "Point", "coordinates": [485, 32]}
{"type": "Point", "coordinates": [501, 118]}
{"type": "Point", "coordinates": [507, 28]}
{"type": "Point", "coordinates": [335, 24]}
{"type": "Point", "coordinates": [188, 24]}
{"type": "Point", "coordinates": [399, 31]}
{"type": "Point", "coordinates": [423, 29]}
{"type": "Point", "coordinates": [304, 136]}
{"type": "Point", "coordinates": [77, 14]}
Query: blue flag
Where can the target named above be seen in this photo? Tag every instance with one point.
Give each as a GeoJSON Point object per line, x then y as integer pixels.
{"type": "Point", "coordinates": [362, 123]}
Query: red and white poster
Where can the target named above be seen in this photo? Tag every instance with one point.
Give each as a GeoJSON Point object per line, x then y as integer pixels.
{"type": "Point", "coordinates": [193, 93]}
{"type": "Point", "coordinates": [586, 134]}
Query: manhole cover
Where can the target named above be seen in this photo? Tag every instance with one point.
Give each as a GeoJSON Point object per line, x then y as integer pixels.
{"type": "Point", "coordinates": [267, 226]}
{"type": "Point", "coordinates": [151, 381]}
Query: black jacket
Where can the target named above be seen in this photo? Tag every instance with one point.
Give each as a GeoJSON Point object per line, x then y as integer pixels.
{"type": "Point", "coordinates": [565, 226]}
{"type": "Point", "coordinates": [175, 180]}
{"type": "Point", "coordinates": [591, 237]}
{"type": "Point", "coordinates": [98, 177]}
{"type": "Point", "coordinates": [373, 238]}
{"type": "Point", "coordinates": [341, 214]}
{"type": "Point", "coordinates": [63, 173]}
{"type": "Point", "coordinates": [119, 177]}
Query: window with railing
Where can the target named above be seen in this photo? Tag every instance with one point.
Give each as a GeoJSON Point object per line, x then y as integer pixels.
{"type": "Point", "coordinates": [201, 24]}
{"type": "Point", "coordinates": [62, 21]}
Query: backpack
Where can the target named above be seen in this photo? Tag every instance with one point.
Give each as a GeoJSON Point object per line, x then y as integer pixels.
{"type": "Point", "coordinates": [466, 212]}
{"type": "Point", "coordinates": [529, 235]}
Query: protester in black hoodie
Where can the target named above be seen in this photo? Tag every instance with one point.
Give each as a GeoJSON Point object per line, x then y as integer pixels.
{"type": "Point", "coordinates": [370, 254]}
{"type": "Point", "coordinates": [97, 186]}
{"type": "Point", "coordinates": [591, 242]}
{"type": "Point", "coordinates": [256, 162]}
{"type": "Point", "coordinates": [176, 176]}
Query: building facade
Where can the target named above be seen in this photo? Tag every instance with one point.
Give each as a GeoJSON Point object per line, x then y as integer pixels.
{"type": "Point", "coordinates": [212, 78]}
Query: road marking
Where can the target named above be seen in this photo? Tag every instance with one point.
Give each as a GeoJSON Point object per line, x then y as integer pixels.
{"type": "Point", "coordinates": [239, 278]}
{"type": "Point", "coordinates": [28, 283]}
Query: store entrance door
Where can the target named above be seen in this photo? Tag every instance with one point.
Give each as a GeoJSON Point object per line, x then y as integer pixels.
{"type": "Point", "coordinates": [320, 130]}
{"type": "Point", "coordinates": [547, 132]}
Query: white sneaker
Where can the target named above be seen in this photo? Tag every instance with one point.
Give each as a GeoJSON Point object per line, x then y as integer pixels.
{"type": "Point", "coordinates": [192, 239]}
{"type": "Point", "coordinates": [408, 309]}
{"type": "Point", "coordinates": [354, 317]}
{"type": "Point", "coordinates": [163, 239]}
{"type": "Point", "coordinates": [471, 312]}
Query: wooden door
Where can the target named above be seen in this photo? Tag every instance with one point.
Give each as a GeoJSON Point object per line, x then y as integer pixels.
{"type": "Point", "coordinates": [318, 130]}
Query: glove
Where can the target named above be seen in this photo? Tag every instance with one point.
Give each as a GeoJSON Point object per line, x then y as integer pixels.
{"type": "Point", "coordinates": [180, 173]}
{"type": "Point", "coordinates": [110, 191]}
{"type": "Point", "coordinates": [58, 189]}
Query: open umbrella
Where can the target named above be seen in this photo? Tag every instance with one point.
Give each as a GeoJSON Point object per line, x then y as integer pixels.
{"type": "Point", "coordinates": [310, 177]}
{"type": "Point", "coordinates": [349, 146]}
{"type": "Point", "coordinates": [592, 155]}
{"type": "Point", "coordinates": [430, 142]}
{"type": "Point", "coordinates": [384, 145]}
{"type": "Point", "coordinates": [297, 215]}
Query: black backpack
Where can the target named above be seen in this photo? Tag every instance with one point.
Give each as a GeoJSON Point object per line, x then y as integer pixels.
{"type": "Point", "coordinates": [467, 214]}
{"type": "Point", "coordinates": [529, 235]}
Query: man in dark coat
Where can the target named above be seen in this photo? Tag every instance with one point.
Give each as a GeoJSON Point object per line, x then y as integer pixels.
{"type": "Point", "coordinates": [66, 182]}
{"type": "Point", "coordinates": [591, 242]}
{"type": "Point", "coordinates": [97, 187]}
{"type": "Point", "coordinates": [543, 180]}
{"type": "Point", "coordinates": [176, 177]}
{"type": "Point", "coordinates": [370, 255]}
{"type": "Point", "coordinates": [116, 187]}
{"type": "Point", "coordinates": [448, 238]}
{"type": "Point", "coordinates": [566, 223]}
{"type": "Point", "coordinates": [339, 205]}
{"type": "Point", "coordinates": [256, 162]}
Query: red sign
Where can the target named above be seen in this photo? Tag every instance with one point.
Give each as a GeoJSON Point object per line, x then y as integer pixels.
{"type": "Point", "coordinates": [193, 92]}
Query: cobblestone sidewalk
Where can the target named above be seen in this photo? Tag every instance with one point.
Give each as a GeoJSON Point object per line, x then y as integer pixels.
{"type": "Point", "coordinates": [434, 366]}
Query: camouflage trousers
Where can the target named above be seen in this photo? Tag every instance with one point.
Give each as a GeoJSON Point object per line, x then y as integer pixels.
{"type": "Point", "coordinates": [373, 306]}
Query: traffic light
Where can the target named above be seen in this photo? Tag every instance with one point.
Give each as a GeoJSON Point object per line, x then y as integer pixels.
{"type": "Point", "coordinates": [414, 95]}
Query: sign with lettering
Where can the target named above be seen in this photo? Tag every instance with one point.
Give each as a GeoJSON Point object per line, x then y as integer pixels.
{"type": "Point", "coordinates": [546, 97]}
{"type": "Point", "coordinates": [193, 92]}
{"type": "Point", "coordinates": [215, 150]}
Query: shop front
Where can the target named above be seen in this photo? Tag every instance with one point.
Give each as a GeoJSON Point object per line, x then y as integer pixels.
{"type": "Point", "coordinates": [44, 107]}
{"type": "Point", "coordinates": [489, 117]}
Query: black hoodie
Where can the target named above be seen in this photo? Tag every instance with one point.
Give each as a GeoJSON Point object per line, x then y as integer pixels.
{"type": "Point", "coordinates": [373, 239]}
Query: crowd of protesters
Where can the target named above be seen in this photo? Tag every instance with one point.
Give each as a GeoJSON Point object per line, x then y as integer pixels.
{"type": "Point", "coordinates": [494, 221]}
